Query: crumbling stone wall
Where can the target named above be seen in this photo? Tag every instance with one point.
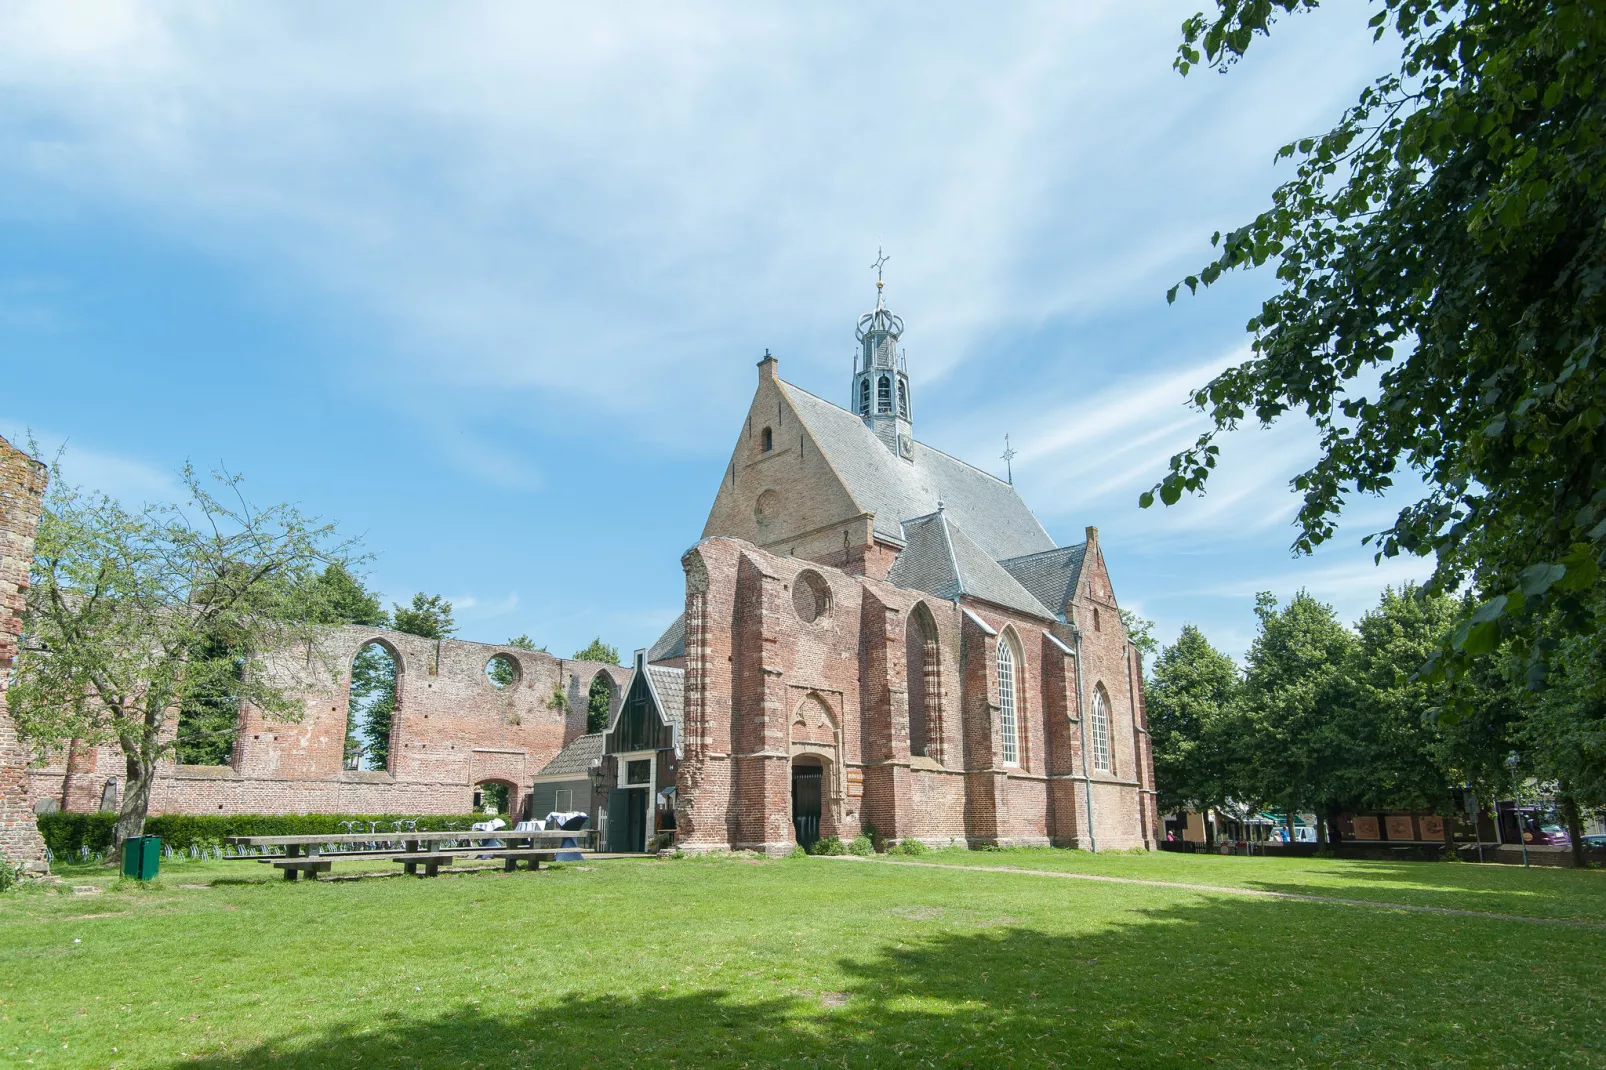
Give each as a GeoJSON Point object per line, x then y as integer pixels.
{"type": "Point", "coordinates": [766, 686]}
{"type": "Point", "coordinates": [452, 729]}
{"type": "Point", "coordinates": [22, 489]}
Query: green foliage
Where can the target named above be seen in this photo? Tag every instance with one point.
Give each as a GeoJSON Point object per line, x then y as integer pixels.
{"type": "Point", "coordinates": [10, 873]}
{"type": "Point", "coordinates": [428, 615]}
{"type": "Point", "coordinates": [1445, 238]}
{"type": "Point", "coordinates": [65, 833]}
{"type": "Point", "coordinates": [342, 598]}
{"type": "Point", "coordinates": [861, 845]}
{"type": "Point", "coordinates": [373, 702]}
{"type": "Point", "coordinates": [827, 845]}
{"type": "Point", "coordinates": [599, 697]}
{"type": "Point", "coordinates": [1140, 632]}
{"type": "Point", "coordinates": [911, 847]}
{"type": "Point", "coordinates": [524, 642]}
{"type": "Point", "coordinates": [137, 614]}
{"type": "Point", "coordinates": [1196, 724]}
{"type": "Point", "coordinates": [597, 650]}
{"type": "Point", "coordinates": [494, 794]}
{"type": "Point", "coordinates": [797, 852]}
{"type": "Point", "coordinates": [1294, 692]}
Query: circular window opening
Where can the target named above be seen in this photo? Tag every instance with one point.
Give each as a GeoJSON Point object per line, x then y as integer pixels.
{"type": "Point", "coordinates": [502, 671]}
{"type": "Point", "coordinates": [812, 596]}
{"type": "Point", "coordinates": [767, 508]}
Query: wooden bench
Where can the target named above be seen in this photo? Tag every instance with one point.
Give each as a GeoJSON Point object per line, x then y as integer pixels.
{"type": "Point", "coordinates": [512, 858]}
{"type": "Point", "coordinates": [430, 860]}
{"type": "Point", "coordinates": [294, 867]}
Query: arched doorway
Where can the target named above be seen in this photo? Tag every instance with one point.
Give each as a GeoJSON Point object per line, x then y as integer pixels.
{"type": "Point", "coordinates": [808, 791]}
{"type": "Point", "coordinates": [497, 794]}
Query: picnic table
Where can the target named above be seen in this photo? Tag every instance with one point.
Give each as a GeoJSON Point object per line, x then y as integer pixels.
{"type": "Point", "coordinates": [305, 854]}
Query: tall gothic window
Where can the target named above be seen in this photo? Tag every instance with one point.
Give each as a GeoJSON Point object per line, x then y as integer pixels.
{"type": "Point", "coordinates": [1006, 702]}
{"type": "Point", "coordinates": [864, 397]}
{"type": "Point", "coordinates": [1101, 732]}
{"type": "Point", "coordinates": [883, 394]}
{"type": "Point", "coordinates": [903, 399]}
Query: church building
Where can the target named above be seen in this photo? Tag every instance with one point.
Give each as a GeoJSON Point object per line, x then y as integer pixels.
{"type": "Point", "coordinates": [879, 635]}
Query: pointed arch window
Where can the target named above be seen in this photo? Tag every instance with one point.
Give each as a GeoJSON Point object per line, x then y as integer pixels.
{"type": "Point", "coordinates": [766, 439]}
{"type": "Point", "coordinates": [903, 398]}
{"type": "Point", "coordinates": [1006, 703]}
{"type": "Point", "coordinates": [883, 394]}
{"type": "Point", "coordinates": [1101, 732]}
{"type": "Point", "coordinates": [864, 396]}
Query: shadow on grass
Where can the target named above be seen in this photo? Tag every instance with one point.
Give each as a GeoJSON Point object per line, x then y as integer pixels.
{"type": "Point", "coordinates": [1235, 982]}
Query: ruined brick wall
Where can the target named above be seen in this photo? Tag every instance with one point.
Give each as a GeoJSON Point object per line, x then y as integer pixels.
{"type": "Point", "coordinates": [22, 488]}
{"type": "Point", "coordinates": [770, 683]}
{"type": "Point", "coordinates": [452, 729]}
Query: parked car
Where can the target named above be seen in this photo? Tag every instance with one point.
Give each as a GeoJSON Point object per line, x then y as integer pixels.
{"type": "Point", "coordinates": [1594, 841]}
{"type": "Point", "coordinates": [1547, 835]}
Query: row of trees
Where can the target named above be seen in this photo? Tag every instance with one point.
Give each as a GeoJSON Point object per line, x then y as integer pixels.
{"type": "Point", "coordinates": [1326, 718]}
{"type": "Point", "coordinates": [133, 617]}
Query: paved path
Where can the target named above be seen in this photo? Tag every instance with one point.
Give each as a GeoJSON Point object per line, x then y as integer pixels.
{"type": "Point", "coordinates": [1259, 893]}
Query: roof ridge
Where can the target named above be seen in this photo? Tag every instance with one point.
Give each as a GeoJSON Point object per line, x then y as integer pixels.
{"type": "Point", "coordinates": [1041, 553]}
{"type": "Point", "coordinates": [953, 558]}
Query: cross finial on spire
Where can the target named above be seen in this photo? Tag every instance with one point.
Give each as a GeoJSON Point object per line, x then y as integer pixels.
{"type": "Point", "coordinates": [1009, 456]}
{"type": "Point", "coordinates": [880, 262]}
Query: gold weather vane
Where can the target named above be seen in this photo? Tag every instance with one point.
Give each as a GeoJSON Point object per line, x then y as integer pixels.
{"type": "Point", "coordinates": [1009, 456]}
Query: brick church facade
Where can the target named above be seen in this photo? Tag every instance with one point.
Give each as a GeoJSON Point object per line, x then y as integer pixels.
{"type": "Point", "coordinates": [878, 634]}
{"type": "Point", "coordinates": [875, 634]}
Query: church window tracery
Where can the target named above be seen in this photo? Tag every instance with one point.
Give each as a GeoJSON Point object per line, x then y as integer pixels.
{"type": "Point", "coordinates": [1006, 703]}
{"type": "Point", "coordinates": [1101, 732]}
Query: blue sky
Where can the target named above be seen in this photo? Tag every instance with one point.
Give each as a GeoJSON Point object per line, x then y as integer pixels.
{"type": "Point", "coordinates": [486, 283]}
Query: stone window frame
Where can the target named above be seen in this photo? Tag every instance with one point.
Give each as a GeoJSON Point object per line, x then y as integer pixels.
{"type": "Point", "coordinates": [766, 440]}
{"type": "Point", "coordinates": [883, 394]}
{"type": "Point", "coordinates": [1103, 755]}
{"type": "Point", "coordinates": [824, 599]}
{"type": "Point", "coordinates": [1010, 666]}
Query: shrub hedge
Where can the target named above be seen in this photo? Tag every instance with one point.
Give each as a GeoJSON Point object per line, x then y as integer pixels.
{"type": "Point", "coordinates": [65, 833]}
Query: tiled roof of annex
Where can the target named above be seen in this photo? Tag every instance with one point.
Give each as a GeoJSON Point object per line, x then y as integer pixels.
{"type": "Point", "coordinates": [941, 559]}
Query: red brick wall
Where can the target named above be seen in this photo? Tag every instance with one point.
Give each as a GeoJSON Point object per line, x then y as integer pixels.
{"type": "Point", "coordinates": [758, 673]}
{"type": "Point", "coordinates": [452, 729]}
{"type": "Point", "coordinates": [22, 486]}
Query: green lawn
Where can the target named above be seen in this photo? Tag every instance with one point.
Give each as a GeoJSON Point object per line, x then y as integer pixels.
{"type": "Point", "coordinates": [809, 962]}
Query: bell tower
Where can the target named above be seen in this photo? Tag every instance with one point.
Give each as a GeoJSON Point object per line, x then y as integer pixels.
{"type": "Point", "coordinates": [881, 374]}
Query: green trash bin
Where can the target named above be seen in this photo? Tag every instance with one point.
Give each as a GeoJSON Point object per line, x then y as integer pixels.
{"type": "Point", "coordinates": [141, 855]}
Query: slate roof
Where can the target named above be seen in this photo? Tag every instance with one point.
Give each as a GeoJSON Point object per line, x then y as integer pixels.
{"type": "Point", "coordinates": [988, 509]}
{"type": "Point", "coordinates": [671, 644]}
{"type": "Point", "coordinates": [1051, 576]}
{"type": "Point", "coordinates": [669, 684]}
{"type": "Point", "coordinates": [576, 758]}
{"type": "Point", "coordinates": [943, 560]}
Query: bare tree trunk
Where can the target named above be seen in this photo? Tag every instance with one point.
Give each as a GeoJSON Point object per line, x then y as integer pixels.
{"type": "Point", "coordinates": [136, 801]}
{"type": "Point", "coordinates": [1575, 826]}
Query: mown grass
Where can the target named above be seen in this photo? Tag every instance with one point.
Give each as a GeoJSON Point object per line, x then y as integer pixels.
{"type": "Point", "coordinates": [1498, 889]}
{"type": "Point", "coordinates": [804, 962]}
